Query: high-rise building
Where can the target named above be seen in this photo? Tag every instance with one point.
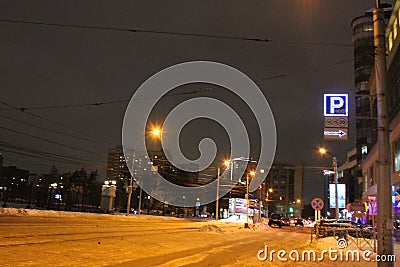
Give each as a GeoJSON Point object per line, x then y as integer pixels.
{"type": "Point", "coordinates": [365, 100]}
{"type": "Point", "coordinates": [116, 166]}
{"type": "Point", "coordinates": [364, 53]}
{"type": "Point", "coordinates": [286, 182]}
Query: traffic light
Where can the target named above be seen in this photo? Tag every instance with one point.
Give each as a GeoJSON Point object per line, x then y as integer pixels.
{"type": "Point", "coordinates": [291, 210]}
{"type": "Point", "coordinates": [280, 198]}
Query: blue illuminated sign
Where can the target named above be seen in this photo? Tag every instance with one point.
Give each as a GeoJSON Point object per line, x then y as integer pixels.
{"type": "Point", "coordinates": [336, 105]}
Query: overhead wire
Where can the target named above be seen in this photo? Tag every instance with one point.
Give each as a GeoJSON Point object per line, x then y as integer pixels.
{"type": "Point", "coordinates": [26, 111]}
{"type": "Point", "coordinates": [137, 30]}
{"type": "Point", "coordinates": [39, 152]}
{"type": "Point", "coordinates": [56, 122]}
{"type": "Point", "coordinates": [47, 140]}
{"type": "Point", "coordinates": [50, 130]}
{"type": "Point", "coordinates": [52, 160]}
{"type": "Point", "coordinates": [306, 70]}
{"type": "Point", "coordinates": [95, 104]}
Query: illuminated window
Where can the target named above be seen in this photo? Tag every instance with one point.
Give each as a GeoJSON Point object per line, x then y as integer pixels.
{"type": "Point", "coordinates": [390, 41]}
{"type": "Point", "coordinates": [396, 154]}
{"type": "Point", "coordinates": [395, 25]}
{"type": "Point", "coordinates": [364, 150]}
{"type": "Point", "coordinates": [398, 14]}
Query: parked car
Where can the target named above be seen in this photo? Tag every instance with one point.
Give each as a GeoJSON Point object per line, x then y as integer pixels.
{"type": "Point", "coordinates": [285, 221]}
{"type": "Point", "coordinates": [298, 222]}
{"type": "Point", "coordinates": [123, 210]}
{"type": "Point", "coordinates": [275, 220]}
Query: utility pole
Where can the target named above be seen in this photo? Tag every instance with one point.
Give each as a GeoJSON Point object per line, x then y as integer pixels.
{"type": "Point", "coordinates": [217, 200]}
{"type": "Point", "coordinates": [247, 200]}
{"type": "Point", "coordinates": [385, 213]}
{"type": "Point", "coordinates": [335, 170]}
{"type": "Point", "coordinates": [128, 205]}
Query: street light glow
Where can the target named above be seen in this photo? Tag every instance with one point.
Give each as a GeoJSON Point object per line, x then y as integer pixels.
{"type": "Point", "coordinates": [156, 132]}
{"type": "Point", "coordinates": [227, 162]}
{"type": "Point", "coordinates": [322, 150]}
{"type": "Point", "coordinates": [252, 173]}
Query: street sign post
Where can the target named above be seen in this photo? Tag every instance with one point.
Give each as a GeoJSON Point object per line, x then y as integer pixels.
{"type": "Point", "coordinates": [336, 111]}
{"type": "Point", "coordinates": [336, 122]}
{"type": "Point", "coordinates": [372, 200]}
{"type": "Point", "coordinates": [336, 105]}
{"type": "Point", "coordinates": [317, 204]}
{"type": "Point", "coordinates": [336, 134]}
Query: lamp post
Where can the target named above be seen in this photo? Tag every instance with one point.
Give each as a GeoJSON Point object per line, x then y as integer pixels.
{"type": "Point", "coordinates": [252, 173]}
{"type": "Point", "coordinates": [230, 164]}
{"type": "Point", "coordinates": [217, 200]}
{"type": "Point", "coordinates": [298, 204]}
{"type": "Point", "coordinates": [259, 203]}
{"type": "Point", "coordinates": [335, 174]}
{"type": "Point", "coordinates": [156, 132]}
{"type": "Point", "coordinates": [128, 205]}
{"type": "Point", "coordinates": [270, 190]}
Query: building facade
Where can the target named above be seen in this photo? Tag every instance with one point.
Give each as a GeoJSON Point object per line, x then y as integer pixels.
{"type": "Point", "coordinates": [364, 84]}
{"type": "Point", "coordinates": [370, 164]}
{"type": "Point", "coordinates": [286, 184]}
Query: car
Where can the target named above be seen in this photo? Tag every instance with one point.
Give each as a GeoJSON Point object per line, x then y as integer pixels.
{"type": "Point", "coordinates": [123, 210]}
{"type": "Point", "coordinates": [275, 220]}
{"type": "Point", "coordinates": [285, 221]}
{"type": "Point", "coordinates": [298, 222]}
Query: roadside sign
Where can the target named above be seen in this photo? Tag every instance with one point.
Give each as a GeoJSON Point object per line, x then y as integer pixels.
{"type": "Point", "coordinates": [336, 134]}
{"type": "Point", "coordinates": [336, 105]}
{"type": "Point", "coordinates": [337, 122]}
{"type": "Point", "coordinates": [317, 203]}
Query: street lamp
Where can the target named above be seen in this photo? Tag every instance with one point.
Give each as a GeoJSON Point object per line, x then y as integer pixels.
{"type": "Point", "coordinates": [156, 132]}
{"type": "Point", "coordinates": [323, 151]}
{"type": "Point", "coordinates": [217, 200]}
{"type": "Point", "coordinates": [269, 191]}
{"type": "Point", "coordinates": [230, 164]}
{"type": "Point", "coordinates": [252, 173]}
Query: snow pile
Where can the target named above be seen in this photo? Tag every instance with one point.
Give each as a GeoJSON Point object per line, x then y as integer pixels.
{"type": "Point", "coordinates": [234, 218]}
{"type": "Point", "coordinates": [211, 228]}
{"type": "Point", "coordinates": [42, 213]}
{"type": "Point", "coordinates": [13, 212]}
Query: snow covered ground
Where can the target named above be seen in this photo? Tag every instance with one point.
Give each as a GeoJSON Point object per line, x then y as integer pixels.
{"type": "Point", "coordinates": [53, 238]}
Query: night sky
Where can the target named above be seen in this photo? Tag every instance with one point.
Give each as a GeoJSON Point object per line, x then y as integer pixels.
{"type": "Point", "coordinates": [53, 71]}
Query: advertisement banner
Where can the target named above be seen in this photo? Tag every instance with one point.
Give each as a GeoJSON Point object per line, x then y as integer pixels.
{"type": "Point", "coordinates": [341, 196]}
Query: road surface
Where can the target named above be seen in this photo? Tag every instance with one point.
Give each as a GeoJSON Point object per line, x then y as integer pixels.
{"type": "Point", "coordinates": [76, 239]}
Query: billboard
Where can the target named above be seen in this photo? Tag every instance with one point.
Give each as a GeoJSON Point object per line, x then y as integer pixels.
{"type": "Point", "coordinates": [238, 205]}
{"type": "Point", "coordinates": [341, 196]}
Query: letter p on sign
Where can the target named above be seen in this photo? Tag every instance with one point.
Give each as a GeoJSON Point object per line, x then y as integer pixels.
{"type": "Point", "coordinates": [336, 105]}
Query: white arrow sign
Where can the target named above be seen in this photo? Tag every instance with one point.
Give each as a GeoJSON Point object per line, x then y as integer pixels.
{"type": "Point", "coordinates": [339, 133]}
{"type": "Point", "coordinates": [336, 134]}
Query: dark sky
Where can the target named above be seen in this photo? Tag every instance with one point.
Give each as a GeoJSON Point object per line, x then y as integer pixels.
{"type": "Point", "coordinates": [43, 66]}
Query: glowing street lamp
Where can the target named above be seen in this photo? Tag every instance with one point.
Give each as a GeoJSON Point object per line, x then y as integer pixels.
{"type": "Point", "coordinates": [252, 173]}
{"type": "Point", "coordinates": [269, 191]}
{"type": "Point", "coordinates": [156, 132]}
{"type": "Point", "coordinates": [323, 151]}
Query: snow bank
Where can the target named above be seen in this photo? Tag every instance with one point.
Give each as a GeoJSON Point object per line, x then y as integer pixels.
{"type": "Point", "coordinates": [42, 213]}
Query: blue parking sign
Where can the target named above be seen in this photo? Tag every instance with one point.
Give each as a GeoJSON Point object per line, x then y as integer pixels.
{"type": "Point", "coordinates": [336, 105]}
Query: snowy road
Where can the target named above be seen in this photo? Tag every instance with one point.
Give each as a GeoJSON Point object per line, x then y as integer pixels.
{"type": "Point", "coordinates": [75, 239]}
